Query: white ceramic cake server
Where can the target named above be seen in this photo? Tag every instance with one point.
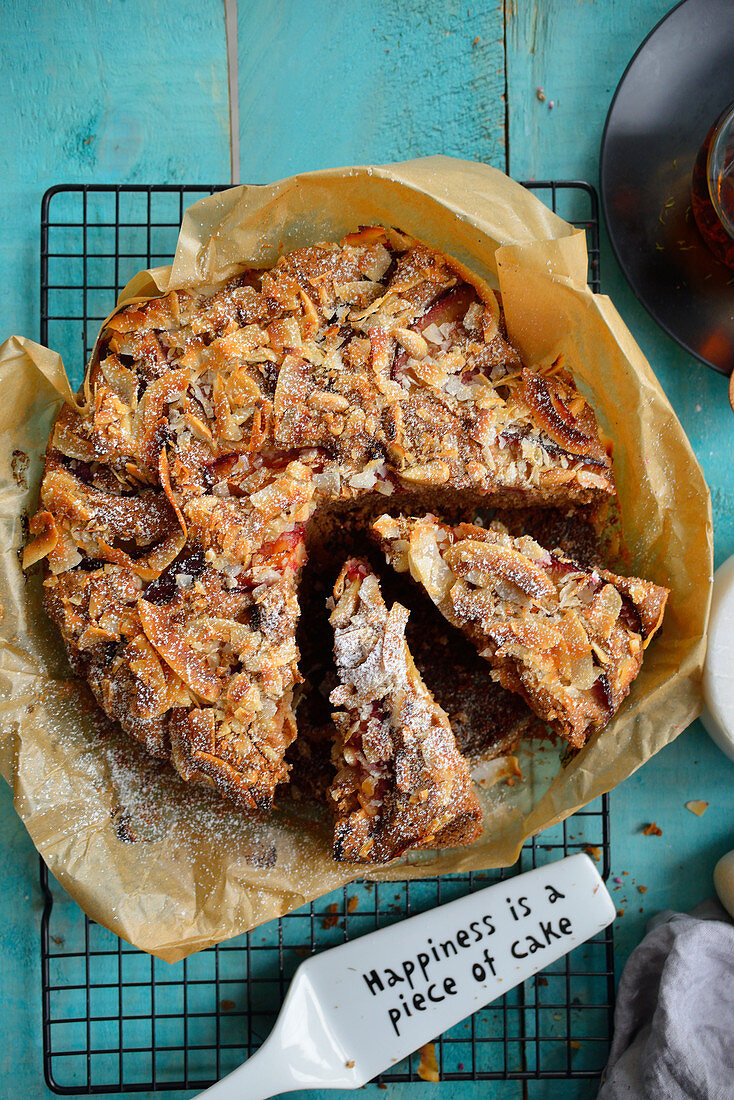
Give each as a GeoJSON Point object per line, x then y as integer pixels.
{"type": "Point", "coordinates": [356, 1009]}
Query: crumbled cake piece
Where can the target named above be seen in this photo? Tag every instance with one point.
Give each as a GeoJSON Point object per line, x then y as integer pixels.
{"type": "Point", "coordinates": [568, 638]}
{"type": "Point", "coordinates": [400, 780]}
{"type": "Point", "coordinates": [214, 422]}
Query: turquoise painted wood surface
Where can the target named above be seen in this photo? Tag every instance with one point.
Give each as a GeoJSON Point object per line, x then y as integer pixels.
{"type": "Point", "coordinates": [137, 92]}
{"type": "Point", "coordinates": [369, 82]}
{"type": "Point", "coordinates": [99, 93]}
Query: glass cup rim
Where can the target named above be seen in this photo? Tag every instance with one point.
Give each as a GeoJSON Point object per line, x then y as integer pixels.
{"type": "Point", "coordinates": [721, 127]}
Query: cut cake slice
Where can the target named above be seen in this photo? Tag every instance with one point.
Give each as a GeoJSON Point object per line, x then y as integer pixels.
{"type": "Point", "coordinates": [400, 780]}
{"type": "Point", "coordinates": [566, 637]}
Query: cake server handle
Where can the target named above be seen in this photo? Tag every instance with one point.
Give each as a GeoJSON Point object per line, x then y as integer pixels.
{"type": "Point", "coordinates": [359, 1008]}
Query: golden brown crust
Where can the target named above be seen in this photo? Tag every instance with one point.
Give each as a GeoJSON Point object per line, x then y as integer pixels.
{"type": "Point", "coordinates": [217, 422]}
{"type": "Point", "coordinates": [566, 637]}
{"type": "Point", "coordinates": [204, 677]}
{"type": "Point", "coordinates": [400, 780]}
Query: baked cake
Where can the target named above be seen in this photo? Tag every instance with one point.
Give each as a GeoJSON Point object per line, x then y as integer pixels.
{"type": "Point", "coordinates": [400, 780]}
{"type": "Point", "coordinates": [566, 637]}
{"type": "Point", "coordinates": [214, 422]}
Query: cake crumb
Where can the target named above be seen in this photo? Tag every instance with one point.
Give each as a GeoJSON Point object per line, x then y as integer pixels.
{"type": "Point", "coordinates": [332, 918]}
{"type": "Point", "coordinates": [428, 1068]}
{"type": "Point", "coordinates": [652, 830]}
{"type": "Point", "coordinates": [697, 807]}
{"type": "Point", "coordinates": [19, 466]}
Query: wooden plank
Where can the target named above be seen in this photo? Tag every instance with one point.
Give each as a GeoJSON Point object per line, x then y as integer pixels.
{"type": "Point", "coordinates": [118, 92]}
{"type": "Point", "coordinates": [576, 52]}
{"type": "Point", "coordinates": [326, 83]}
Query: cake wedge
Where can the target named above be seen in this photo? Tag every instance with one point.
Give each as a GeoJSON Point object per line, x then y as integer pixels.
{"type": "Point", "coordinates": [400, 780]}
{"type": "Point", "coordinates": [568, 638]}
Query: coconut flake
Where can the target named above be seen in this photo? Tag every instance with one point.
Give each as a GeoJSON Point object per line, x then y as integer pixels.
{"type": "Point", "coordinates": [433, 333]}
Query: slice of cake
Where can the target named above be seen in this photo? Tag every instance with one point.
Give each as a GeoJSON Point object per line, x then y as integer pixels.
{"type": "Point", "coordinates": [568, 638]}
{"type": "Point", "coordinates": [400, 781]}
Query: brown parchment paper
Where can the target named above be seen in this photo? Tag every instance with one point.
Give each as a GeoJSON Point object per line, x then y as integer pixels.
{"type": "Point", "coordinates": [171, 867]}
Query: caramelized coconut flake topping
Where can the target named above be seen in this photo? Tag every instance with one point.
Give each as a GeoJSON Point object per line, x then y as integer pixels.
{"type": "Point", "coordinates": [217, 420]}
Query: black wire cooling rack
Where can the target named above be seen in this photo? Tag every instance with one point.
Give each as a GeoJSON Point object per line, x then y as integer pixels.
{"type": "Point", "coordinates": [115, 1019]}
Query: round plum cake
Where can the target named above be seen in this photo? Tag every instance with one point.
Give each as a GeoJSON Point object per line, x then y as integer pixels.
{"type": "Point", "coordinates": [221, 429]}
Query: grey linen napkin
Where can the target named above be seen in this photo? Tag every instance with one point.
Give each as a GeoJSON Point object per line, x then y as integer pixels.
{"type": "Point", "coordinates": [674, 1019]}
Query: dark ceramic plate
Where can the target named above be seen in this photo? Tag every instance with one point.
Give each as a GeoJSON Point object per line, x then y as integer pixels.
{"type": "Point", "coordinates": [674, 88]}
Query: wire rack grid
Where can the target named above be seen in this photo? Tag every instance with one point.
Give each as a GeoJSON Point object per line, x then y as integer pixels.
{"type": "Point", "coordinates": [116, 1019]}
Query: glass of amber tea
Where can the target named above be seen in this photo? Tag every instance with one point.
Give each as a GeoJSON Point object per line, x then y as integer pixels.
{"type": "Point", "coordinates": [712, 188]}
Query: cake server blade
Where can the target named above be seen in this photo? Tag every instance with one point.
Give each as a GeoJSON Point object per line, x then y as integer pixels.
{"type": "Point", "coordinates": [355, 1010]}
